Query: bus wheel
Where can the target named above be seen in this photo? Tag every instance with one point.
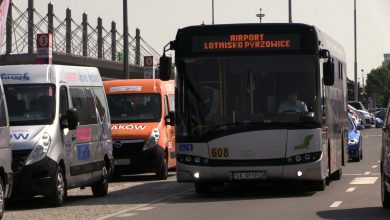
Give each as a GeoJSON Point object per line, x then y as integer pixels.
{"type": "Point", "coordinates": [202, 188]}
{"type": "Point", "coordinates": [337, 175]}
{"type": "Point", "coordinates": [384, 193]}
{"type": "Point", "coordinates": [162, 173]}
{"type": "Point", "coordinates": [58, 195]}
{"type": "Point", "coordinates": [319, 185]}
{"type": "Point", "coordinates": [100, 188]}
{"type": "Point", "coordinates": [2, 197]}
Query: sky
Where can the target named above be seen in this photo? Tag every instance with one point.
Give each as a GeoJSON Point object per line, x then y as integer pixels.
{"type": "Point", "coordinates": [159, 20]}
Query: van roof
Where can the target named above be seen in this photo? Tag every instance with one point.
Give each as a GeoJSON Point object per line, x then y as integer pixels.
{"type": "Point", "coordinates": [139, 86]}
{"type": "Point", "coordinates": [46, 73]}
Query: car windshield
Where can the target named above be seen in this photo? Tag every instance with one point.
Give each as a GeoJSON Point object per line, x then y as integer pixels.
{"type": "Point", "coordinates": [229, 92]}
{"type": "Point", "coordinates": [351, 124]}
{"type": "Point", "coordinates": [30, 104]}
{"type": "Point", "coordinates": [134, 107]}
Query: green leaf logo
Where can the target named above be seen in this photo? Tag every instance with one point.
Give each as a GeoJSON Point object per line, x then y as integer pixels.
{"type": "Point", "coordinates": [305, 144]}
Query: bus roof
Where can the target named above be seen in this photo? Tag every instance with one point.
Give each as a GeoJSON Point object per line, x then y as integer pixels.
{"type": "Point", "coordinates": [139, 86]}
{"type": "Point", "coordinates": [45, 73]}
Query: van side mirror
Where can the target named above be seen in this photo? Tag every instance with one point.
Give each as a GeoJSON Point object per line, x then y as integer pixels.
{"type": "Point", "coordinates": [170, 118]}
{"type": "Point", "coordinates": [328, 72]}
{"type": "Point", "coordinates": [70, 120]}
{"type": "Point", "coordinates": [165, 67]}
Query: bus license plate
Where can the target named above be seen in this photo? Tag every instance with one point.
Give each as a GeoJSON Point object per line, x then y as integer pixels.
{"type": "Point", "coordinates": [122, 162]}
{"type": "Point", "coordinates": [259, 175]}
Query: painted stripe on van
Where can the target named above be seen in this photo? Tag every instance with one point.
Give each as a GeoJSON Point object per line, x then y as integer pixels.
{"type": "Point", "coordinates": [86, 168]}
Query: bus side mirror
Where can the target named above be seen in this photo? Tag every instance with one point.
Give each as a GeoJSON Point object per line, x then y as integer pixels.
{"type": "Point", "coordinates": [165, 67]}
{"type": "Point", "coordinates": [328, 72]}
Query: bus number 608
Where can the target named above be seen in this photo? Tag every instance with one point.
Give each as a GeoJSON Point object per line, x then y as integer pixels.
{"type": "Point", "coordinates": [219, 152]}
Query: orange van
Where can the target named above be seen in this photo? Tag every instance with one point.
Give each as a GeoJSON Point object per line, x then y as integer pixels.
{"type": "Point", "coordinates": [142, 125]}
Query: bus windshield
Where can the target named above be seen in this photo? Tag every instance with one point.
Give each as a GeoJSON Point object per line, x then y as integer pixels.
{"type": "Point", "coordinates": [134, 107]}
{"type": "Point", "coordinates": [30, 104]}
{"type": "Point", "coordinates": [224, 93]}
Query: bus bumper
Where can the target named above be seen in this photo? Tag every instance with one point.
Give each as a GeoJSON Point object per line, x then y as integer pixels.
{"type": "Point", "coordinates": [307, 171]}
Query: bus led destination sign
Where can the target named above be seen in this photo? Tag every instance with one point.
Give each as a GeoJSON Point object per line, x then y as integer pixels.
{"type": "Point", "coordinates": [246, 42]}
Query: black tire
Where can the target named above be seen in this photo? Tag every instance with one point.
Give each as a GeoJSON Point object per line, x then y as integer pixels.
{"type": "Point", "coordinates": [338, 174]}
{"type": "Point", "coordinates": [2, 197]}
{"type": "Point", "coordinates": [162, 172]}
{"type": "Point", "coordinates": [319, 185]}
{"type": "Point", "coordinates": [100, 188]}
{"type": "Point", "coordinates": [203, 188]}
{"type": "Point", "coordinates": [58, 196]}
{"type": "Point", "coordinates": [361, 154]}
{"type": "Point", "coordinates": [385, 195]}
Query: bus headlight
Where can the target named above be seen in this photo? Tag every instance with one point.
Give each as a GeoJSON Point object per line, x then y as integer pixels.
{"type": "Point", "coordinates": [191, 159]}
{"type": "Point", "coordinates": [40, 149]}
{"type": "Point", "coordinates": [153, 139]}
{"type": "Point", "coordinates": [304, 158]}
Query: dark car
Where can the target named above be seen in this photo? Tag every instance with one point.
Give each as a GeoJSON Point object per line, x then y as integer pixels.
{"type": "Point", "coordinates": [385, 163]}
{"type": "Point", "coordinates": [355, 144]}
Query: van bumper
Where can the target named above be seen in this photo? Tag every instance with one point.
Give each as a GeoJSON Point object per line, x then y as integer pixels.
{"type": "Point", "coordinates": [35, 179]}
{"type": "Point", "coordinates": [144, 161]}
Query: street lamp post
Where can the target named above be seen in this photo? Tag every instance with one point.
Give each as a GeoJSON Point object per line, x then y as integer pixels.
{"type": "Point", "coordinates": [356, 82]}
{"type": "Point", "coordinates": [125, 41]}
{"type": "Point", "coordinates": [260, 15]}
{"type": "Point", "coordinates": [289, 12]}
{"type": "Point", "coordinates": [212, 11]}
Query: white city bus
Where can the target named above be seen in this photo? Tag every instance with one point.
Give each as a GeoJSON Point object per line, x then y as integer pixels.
{"type": "Point", "coordinates": [230, 85]}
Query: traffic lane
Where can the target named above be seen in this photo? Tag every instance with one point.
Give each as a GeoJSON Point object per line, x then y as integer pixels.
{"type": "Point", "coordinates": [129, 191]}
{"type": "Point", "coordinates": [362, 199]}
{"type": "Point", "coordinates": [355, 196]}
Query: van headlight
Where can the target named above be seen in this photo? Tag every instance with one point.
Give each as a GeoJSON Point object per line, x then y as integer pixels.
{"type": "Point", "coordinates": [153, 139]}
{"type": "Point", "coordinates": [40, 150]}
{"type": "Point", "coordinates": [352, 141]}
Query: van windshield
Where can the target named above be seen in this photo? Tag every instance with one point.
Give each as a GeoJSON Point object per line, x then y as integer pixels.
{"type": "Point", "coordinates": [134, 107]}
{"type": "Point", "coordinates": [30, 104]}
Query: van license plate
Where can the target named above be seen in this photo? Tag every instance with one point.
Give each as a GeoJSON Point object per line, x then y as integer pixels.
{"type": "Point", "coordinates": [258, 175]}
{"type": "Point", "coordinates": [122, 161]}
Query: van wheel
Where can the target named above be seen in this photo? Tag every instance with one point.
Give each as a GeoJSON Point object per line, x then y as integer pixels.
{"type": "Point", "coordinates": [162, 173]}
{"type": "Point", "coordinates": [100, 188]}
{"type": "Point", "coordinates": [2, 197]}
{"type": "Point", "coordinates": [59, 193]}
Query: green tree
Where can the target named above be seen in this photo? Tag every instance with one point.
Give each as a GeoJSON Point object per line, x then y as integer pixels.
{"type": "Point", "coordinates": [378, 85]}
{"type": "Point", "coordinates": [351, 91]}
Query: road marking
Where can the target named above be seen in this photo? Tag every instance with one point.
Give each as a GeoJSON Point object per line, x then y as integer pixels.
{"type": "Point", "coordinates": [353, 174]}
{"type": "Point", "coordinates": [336, 204]}
{"type": "Point", "coordinates": [372, 135]}
{"type": "Point", "coordinates": [146, 208]}
{"type": "Point", "coordinates": [350, 189]}
{"type": "Point", "coordinates": [379, 161]}
{"type": "Point", "coordinates": [126, 215]}
{"type": "Point", "coordinates": [143, 205]}
{"type": "Point", "coordinates": [367, 173]}
{"type": "Point", "coordinates": [375, 166]}
{"type": "Point", "coordinates": [363, 180]}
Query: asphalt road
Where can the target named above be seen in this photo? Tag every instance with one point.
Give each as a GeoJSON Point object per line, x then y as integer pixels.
{"type": "Point", "coordinates": [356, 196]}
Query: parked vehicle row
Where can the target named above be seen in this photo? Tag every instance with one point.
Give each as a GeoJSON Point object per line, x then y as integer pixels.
{"type": "Point", "coordinates": [56, 132]}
